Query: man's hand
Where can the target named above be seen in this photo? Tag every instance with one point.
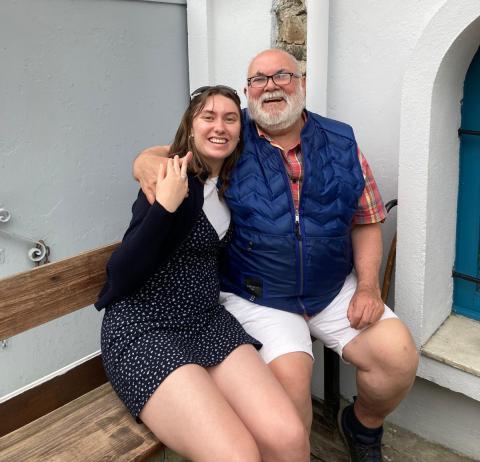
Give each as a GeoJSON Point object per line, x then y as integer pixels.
{"type": "Point", "coordinates": [366, 307]}
{"type": "Point", "coordinates": [145, 168]}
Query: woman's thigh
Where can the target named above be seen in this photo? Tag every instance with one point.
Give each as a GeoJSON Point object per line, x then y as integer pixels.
{"type": "Point", "coordinates": [258, 398]}
{"type": "Point", "coordinates": [189, 414]}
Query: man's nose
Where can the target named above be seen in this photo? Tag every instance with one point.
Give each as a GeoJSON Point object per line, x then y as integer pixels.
{"type": "Point", "coordinates": [271, 85]}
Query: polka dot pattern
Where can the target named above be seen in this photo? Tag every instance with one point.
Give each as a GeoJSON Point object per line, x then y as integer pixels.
{"type": "Point", "coordinates": [172, 320]}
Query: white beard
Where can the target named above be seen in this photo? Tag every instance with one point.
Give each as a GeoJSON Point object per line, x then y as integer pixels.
{"type": "Point", "coordinates": [277, 120]}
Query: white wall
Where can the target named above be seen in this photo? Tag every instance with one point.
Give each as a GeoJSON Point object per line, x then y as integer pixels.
{"type": "Point", "coordinates": [373, 48]}
{"type": "Point", "coordinates": [224, 35]}
{"type": "Point", "coordinates": [396, 72]}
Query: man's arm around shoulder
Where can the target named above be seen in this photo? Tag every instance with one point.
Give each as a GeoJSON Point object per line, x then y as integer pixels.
{"type": "Point", "coordinates": [145, 169]}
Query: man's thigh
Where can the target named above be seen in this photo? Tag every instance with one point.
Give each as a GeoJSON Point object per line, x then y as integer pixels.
{"type": "Point", "coordinates": [280, 332]}
{"type": "Point", "coordinates": [332, 326]}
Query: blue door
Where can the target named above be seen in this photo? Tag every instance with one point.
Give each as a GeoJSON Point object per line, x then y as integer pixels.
{"type": "Point", "coordinates": [466, 299]}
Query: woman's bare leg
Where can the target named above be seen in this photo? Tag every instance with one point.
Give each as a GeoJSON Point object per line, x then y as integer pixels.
{"type": "Point", "coordinates": [188, 414]}
{"type": "Point", "coordinates": [263, 406]}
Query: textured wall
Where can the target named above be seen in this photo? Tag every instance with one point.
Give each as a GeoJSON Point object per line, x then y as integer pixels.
{"type": "Point", "coordinates": [291, 28]}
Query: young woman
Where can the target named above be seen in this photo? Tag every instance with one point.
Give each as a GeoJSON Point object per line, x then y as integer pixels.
{"type": "Point", "coordinates": [178, 360]}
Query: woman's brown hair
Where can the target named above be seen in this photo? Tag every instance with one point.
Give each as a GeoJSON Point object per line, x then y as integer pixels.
{"type": "Point", "coordinates": [184, 141]}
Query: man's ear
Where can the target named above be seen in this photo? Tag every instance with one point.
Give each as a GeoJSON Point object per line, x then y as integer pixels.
{"type": "Point", "coordinates": [245, 91]}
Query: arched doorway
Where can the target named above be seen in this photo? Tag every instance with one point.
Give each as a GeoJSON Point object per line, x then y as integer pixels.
{"type": "Point", "coordinates": [466, 300]}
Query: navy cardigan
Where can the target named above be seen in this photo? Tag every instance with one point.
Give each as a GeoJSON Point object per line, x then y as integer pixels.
{"type": "Point", "coordinates": [152, 236]}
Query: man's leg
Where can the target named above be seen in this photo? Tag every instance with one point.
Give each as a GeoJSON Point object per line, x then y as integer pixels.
{"type": "Point", "coordinates": [386, 360]}
{"type": "Point", "coordinates": [287, 347]}
{"type": "Point", "coordinates": [384, 355]}
{"type": "Point", "coordinates": [294, 372]}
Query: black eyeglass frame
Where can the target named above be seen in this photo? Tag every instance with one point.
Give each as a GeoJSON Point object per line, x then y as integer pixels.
{"type": "Point", "coordinates": [203, 89]}
{"type": "Point", "coordinates": [268, 77]}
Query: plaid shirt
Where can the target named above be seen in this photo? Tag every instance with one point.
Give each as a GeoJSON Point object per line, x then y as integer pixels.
{"type": "Point", "coordinates": [370, 205]}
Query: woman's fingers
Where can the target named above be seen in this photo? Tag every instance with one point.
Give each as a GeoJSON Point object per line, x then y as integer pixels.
{"type": "Point", "coordinates": [169, 169]}
{"type": "Point", "coordinates": [183, 169]}
{"type": "Point", "coordinates": [176, 165]}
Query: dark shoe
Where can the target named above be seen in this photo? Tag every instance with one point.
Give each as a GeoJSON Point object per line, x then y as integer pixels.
{"type": "Point", "coordinates": [359, 451]}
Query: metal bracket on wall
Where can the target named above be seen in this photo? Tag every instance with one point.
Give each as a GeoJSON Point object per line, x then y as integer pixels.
{"type": "Point", "coordinates": [39, 253]}
{"type": "Point", "coordinates": [5, 215]}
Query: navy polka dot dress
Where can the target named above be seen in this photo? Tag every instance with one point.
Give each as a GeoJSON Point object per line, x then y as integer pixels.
{"type": "Point", "coordinates": [172, 320]}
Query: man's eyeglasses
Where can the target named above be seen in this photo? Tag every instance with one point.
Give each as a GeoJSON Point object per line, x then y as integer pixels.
{"type": "Point", "coordinates": [280, 78]}
{"type": "Point", "coordinates": [224, 88]}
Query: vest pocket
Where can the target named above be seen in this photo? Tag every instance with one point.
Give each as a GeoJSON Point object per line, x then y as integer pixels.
{"type": "Point", "coordinates": [263, 267]}
{"type": "Point", "coordinates": [328, 262]}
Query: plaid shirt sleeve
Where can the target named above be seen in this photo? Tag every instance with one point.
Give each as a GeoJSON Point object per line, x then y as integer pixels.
{"type": "Point", "coordinates": [370, 205]}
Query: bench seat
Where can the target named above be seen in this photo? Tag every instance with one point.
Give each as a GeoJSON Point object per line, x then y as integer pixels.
{"type": "Point", "coordinates": [94, 427]}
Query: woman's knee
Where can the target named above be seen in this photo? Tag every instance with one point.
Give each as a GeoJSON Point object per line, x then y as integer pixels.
{"type": "Point", "coordinates": [288, 441]}
{"type": "Point", "coordinates": [243, 452]}
{"type": "Point", "coordinates": [238, 449]}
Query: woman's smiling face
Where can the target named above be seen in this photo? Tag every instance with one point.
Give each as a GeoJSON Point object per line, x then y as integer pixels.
{"type": "Point", "coordinates": [216, 131]}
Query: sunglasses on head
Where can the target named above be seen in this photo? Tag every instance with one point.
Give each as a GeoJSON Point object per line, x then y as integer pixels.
{"type": "Point", "coordinates": [225, 88]}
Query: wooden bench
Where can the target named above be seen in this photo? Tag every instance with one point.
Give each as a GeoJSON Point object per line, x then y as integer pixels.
{"type": "Point", "coordinates": [76, 416]}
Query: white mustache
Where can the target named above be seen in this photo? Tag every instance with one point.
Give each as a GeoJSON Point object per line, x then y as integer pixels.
{"type": "Point", "coordinates": [272, 95]}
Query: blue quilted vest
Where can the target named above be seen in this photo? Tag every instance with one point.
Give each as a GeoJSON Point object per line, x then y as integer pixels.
{"type": "Point", "coordinates": [279, 257]}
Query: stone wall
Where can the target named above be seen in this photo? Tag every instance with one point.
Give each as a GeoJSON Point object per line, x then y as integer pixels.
{"type": "Point", "coordinates": [290, 24]}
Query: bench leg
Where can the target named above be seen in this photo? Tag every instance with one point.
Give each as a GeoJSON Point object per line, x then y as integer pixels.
{"type": "Point", "coordinates": [331, 380]}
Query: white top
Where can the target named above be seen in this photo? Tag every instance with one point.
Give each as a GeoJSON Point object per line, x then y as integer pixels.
{"type": "Point", "coordinates": [215, 209]}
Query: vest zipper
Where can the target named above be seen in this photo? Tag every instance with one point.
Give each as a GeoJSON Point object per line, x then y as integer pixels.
{"type": "Point", "coordinates": [298, 234]}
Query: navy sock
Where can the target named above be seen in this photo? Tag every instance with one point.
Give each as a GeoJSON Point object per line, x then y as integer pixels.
{"type": "Point", "coordinates": [360, 432]}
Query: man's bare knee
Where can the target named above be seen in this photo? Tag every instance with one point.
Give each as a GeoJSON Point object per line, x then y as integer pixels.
{"type": "Point", "coordinates": [294, 372]}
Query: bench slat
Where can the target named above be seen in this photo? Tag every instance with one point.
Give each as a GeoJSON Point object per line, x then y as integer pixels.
{"type": "Point", "coordinates": [108, 432]}
{"type": "Point", "coordinates": [45, 293]}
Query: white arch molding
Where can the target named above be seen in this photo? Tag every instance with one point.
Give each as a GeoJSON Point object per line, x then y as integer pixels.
{"type": "Point", "coordinates": [428, 173]}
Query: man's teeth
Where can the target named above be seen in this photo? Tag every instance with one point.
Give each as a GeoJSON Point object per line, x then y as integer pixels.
{"type": "Point", "coordinates": [218, 140]}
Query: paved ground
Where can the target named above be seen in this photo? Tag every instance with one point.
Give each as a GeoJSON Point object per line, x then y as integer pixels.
{"type": "Point", "coordinates": [398, 446]}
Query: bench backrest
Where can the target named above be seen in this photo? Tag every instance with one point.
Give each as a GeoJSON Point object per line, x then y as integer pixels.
{"type": "Point", "coordinates": [42, 294]}
{"type": "Point", "coordinates": [35, 297]}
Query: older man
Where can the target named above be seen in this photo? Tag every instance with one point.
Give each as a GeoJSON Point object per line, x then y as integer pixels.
{"type": "Point", "coordinates": [306, 252]}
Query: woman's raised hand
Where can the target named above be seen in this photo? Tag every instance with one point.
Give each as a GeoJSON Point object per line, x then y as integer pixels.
{"type": "Point", "coordinates": [172, 183]}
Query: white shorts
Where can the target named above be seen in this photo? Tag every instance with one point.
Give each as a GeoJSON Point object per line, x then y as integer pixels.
{"type": "Point", "coordinates": [282, 332]}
